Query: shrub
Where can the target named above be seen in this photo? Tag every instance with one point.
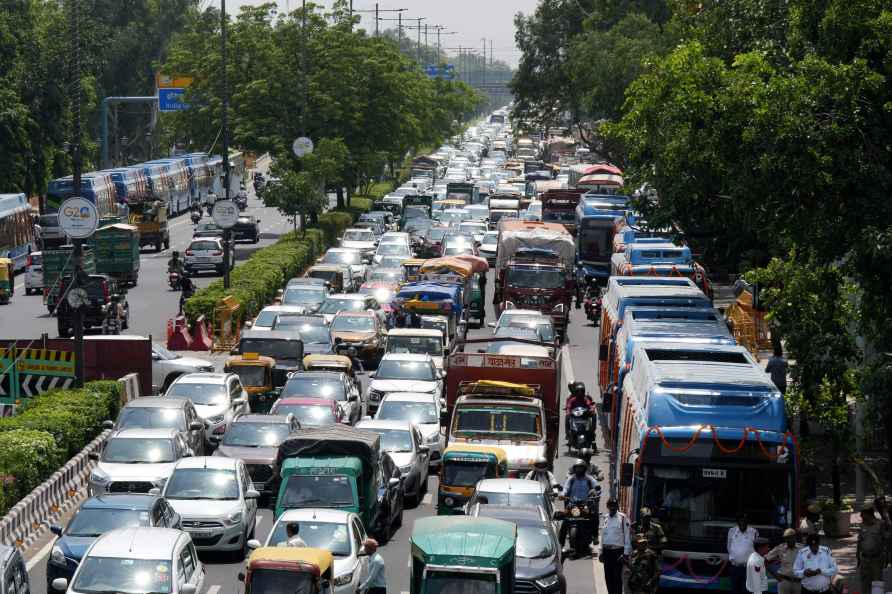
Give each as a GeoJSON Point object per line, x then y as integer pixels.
{"type": "Point", "coordinates": [333, 224]}
{"type": "Point", "coordinates": [27, 458]}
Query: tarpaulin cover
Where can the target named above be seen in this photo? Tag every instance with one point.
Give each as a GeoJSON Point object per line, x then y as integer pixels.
{"type": "Point", "coordinates": [477, 263]}
{"type": "Point", "coordinates": [452, 264]}
{"type": "Point", "coordinates": [336, 440]}
{"type": "Point", "coordinates": [527, 234]}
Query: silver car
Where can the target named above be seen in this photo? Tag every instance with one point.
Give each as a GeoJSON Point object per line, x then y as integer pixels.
{"type": "Point", "coordinates": [167, 366]}
{"type": "Point", "coordinates": [405, 444]}
{"type": "Point", "coordinates": [421, 409]}
{"type": "Point", "coordinates": [137, 460]}
{"type": "Point", "coordinates": [398, 372]}
{"type": "Point", "coordinates": [218, 398]}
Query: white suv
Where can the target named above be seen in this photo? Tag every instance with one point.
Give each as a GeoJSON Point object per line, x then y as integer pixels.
{"type": "Point", "coordinates": [218, 398]}
{"type": "Point", "coordinates": [206, 253]}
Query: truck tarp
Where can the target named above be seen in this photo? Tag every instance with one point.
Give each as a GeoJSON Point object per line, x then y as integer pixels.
{"type": "Point", "coordinates": [528, 234]}
{"type": "Point", "coordinates": [336, 440]}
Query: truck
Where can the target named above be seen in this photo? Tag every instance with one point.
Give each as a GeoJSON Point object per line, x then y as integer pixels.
{"type": "Point", "coordinates": [150, 218]}
{"type": "Point", "coordinates": [535, 270]}
{"type": "Point", "coordinates": [461, 191]}
{"type": "Point", "coordinates": [58, 269]}
{"type": "Point", "coordinates": [559, 206]}
{"type": "Point", "coordinates": [519, 392]}
{"type": "Point", "coordinates": [116, 250]}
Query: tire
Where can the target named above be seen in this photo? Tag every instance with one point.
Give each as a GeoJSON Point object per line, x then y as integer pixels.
{"type": "Point", "coordinates": [167, 242]}
{"type": "Point", "coordinates": [157, 245]}
{"type": "Point", "coordinates": [64, 331]}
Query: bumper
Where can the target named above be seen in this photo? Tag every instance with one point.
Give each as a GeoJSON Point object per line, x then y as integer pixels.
{"type": "Point", "coordinates": [54, 571]}
{"type": "Point", "coordinates": [203, 265]}
{"type": "Point", "coordinates": [217, 538]}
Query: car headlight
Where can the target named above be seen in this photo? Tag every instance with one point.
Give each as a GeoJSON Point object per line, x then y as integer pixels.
{"type": "Point", "coordinates": [548, 581]}
{"type": "Point", "coordinates": [234, 518]}
{"type": "Point", "coordinates": [449, 501]}
{"type": "Point", "coordinates": [343, 580]}
{"type": "Point", "coordinates": [374, 395]}
{"type": "Point", "coordinates": [559, 308]}
{"type": "Point", "coordinates": [160, 482]}
{"type": "Point", "coordinates": [433, 438]}
{"type": "Point", "coordinates": [405, 469]}
{"type": "Point", "coordinates": [57, 556]}
{"type": "Point", "coordinates": [575, 512]}
{"type": "Point", "coordinates": [99, 478]}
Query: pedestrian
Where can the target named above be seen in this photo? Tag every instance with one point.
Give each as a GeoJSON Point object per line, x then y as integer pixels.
{"type": "Point", "coordinates": [651, 529]}
{"type": "Point", "coordinates": [809, 524]}
{"type": "Point", "coordinates": [777, 368]}
{"type": "Point", "coordinates": [756, 574]}
{"type": "Point", "coordinates": [375, 582]}
{"type": "Point", "coordinates": [616, 546]}
{"type": "Point", "coordinates": [785, 554]}
{"type": "Point", "coordinates": [815, 566]}
{"type": "Point", "coordinates": [293, 539]}
{"type": "Point", "coordinates": [879, 504]}
{"type": "Point", "coordinates": [644, 568]}
{"type": "Point", "coordinates": [740, 546]}
{"type": "Point", "coordinates": [871, 551]}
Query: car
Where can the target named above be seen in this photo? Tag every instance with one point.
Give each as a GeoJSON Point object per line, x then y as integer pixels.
{"type": "Point", "coordinates": [475, 228]}
{"type": "Point", "coordinates": [337, 531]}
{"type": "Point", "coordinates": [375, 226]}
{"type": "Point", "coordinates": [97, 516]}
{"type": "Point", "coordinates": [405, 444]}
{"type": "Point", "coordinates": [218, 397]}
{"type": "Point", "coordinates": [338, 302]}
{"type": "Point", "coordinates": [423, 410]}
{"type": "Point", "coordinates": [390, 262]}
{"type": "Point", "coordinates": [518, 332]}
{"type": "Point", "coordinates": [101, 289]}
{"type": "Point", "coordinates": [394, 249]}
{"type": "Point", "coordinates": [309, 412]}
{"type": "Point", "coordinates": [246, 227]}
{"type": "Point", "coordinates": [207, 229]}
{"type": "Point", "coordinates": [399, 237]}
{"type": "Point", "coordinates": [136, 460]}
{"type": "Point", "coordinates": [216, 502]}
{"type": "Point", "coordinates": [307, 297]}
{"type": "Point", "coordinates": [531, 318]}
{"type": "Point", "coordinates": [206, 254]}
{"type": "Point", "coordinates": [433, 239]}
{"type": "Point", "coordinates": [346, 257]}
{"type": "Point", "coordinates": [254, 439]}
{"type": "Point", "coordinates": [332, 385]}
{"type": "Point", "coordinates": [50, 232]}
{"type": "Point", "coordinates": [315, 335]}
{"type": "Point", "coordinates": [511, 491]}
{"type": "Point", "coordinates": [390, 276]}
{"type": "Point", "coordinates": [167, 366]}
{"type": "Point", "coordinates": [138, 561]}
{"type": "Point", "coordinates": [360, 331]}
{"type": "Point", "coordinates": [266, 319]}
{"type": "Point", "coordinates": [403, 373]}
{"type": "Point", "coordinates": [34, 273]}
{"type": "Point", "coordinates": [417, 341]}
{"type": "Point", "coordinates": [363, 240]}
{"type": "Point", "coordinates": [537, 561]}
{"type": "Point", "coordinates": [155, 412]}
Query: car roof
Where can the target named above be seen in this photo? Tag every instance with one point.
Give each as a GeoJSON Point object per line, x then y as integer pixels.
{"type": "Point", "coordinates": [136, 433]}
{"type": "Point", "coordinates": [156, 402]}
{"type": "Point", "coordinates": [121, 501]}
{"type": "Point", "coordinates": [263, 419]}
{"type": "Point", "coordinates": [377, 424]}
{"type": "Point", "coordinates": [317, 374]}
{"type": "Point", "coordinates": [215, 462]}
{"type": "Point", "coordinates": [202, 378]}
{"type": "Point", "coordinates": [519, 514]}
{"type": "Point", "coordinates": [415, 332]}
{"type": "Point", "coordinates": [522, 312]}
{"type": "Point", "coordinates": [512, 485]}
{"type": "Point", "coordinates": [137, 543]}
{"type": "Point", "coordinates": [422, 397]}
{"type": "Point", "coordinates": [357, 228]}
{"type": "Point", "coordinates": [347, 296]}
{"type": "Point", "coordinates": [337, 516]}
{"type": "Point", "coordinates": [406, 357]}
{"type": "Point", "coordinates": [355, 314]}
{"type": "Point", "coordinates": [306, 400]}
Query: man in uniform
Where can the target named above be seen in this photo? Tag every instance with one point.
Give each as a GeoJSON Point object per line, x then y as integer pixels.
{"type": "Point", "coordinates": [815, 566]}
{"type": "Point", "coordinates": [644, 568]}
{"type": "Point", "coordinates": [785, 554]}
{"type": "Point", "coordinates": [741, 538]}
{"type": "Point", "coordinates": [616, 546]}
{"type": "Point", "coordinates": [756, 574]}
{"type": "Point", "coordinates": [871, 548]}
{"type": "Point", "coordinates": [809, 524]}
{"type": "Point", "coordinates": [652, 530]}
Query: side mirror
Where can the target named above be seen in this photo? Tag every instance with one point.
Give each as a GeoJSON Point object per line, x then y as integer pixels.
{"type": "Point", "coordinates": [61, 584]}
{"type": "Point", "coordinates": [394, 482]}
{"type": "Point", "coordinates": [254, 544]}
{"type": "Point", "coordinates": [424, 449]}
{"type": "Point", "coordinates": [196, 426]}
{"type": "Point", "coordinates": [56, 529]}
{"type": "Point", "coordinates": [93, 455]}
{"type": "Point", "coordinates": [108, 424]}
{"type": "Point", "coordinates": [626, 474]}
{"type": "Point", "coordinates": [241, 575]}
{"type": "Point", "coordinates": [187, 589]}
{"type": "Point", "coordinates": [252, 494]}
{"type": "Point", "coordinates": [444, 417]}
{"type": "Point", "coordinates": [154, 491]}
{"type": "Point", "coordinates": [248, 324]}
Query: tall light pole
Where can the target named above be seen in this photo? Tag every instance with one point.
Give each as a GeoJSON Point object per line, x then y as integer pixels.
{"type": "Point", "coordinates": [224, 124]}
{"type": "Point", "coordinates": [418, 40]}
{"type": "Point", "coordinates": [78, 251]}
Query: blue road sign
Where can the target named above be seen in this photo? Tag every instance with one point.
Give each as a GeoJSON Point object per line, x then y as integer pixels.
{"type": "Point", "coordinates": [172, 100]}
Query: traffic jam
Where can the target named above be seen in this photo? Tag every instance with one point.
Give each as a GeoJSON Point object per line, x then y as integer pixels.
{"type": "Point", "coordinates": [501, 380]}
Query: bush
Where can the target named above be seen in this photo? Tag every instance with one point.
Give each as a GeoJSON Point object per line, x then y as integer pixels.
{"type": "Point", "coordinates": [333, 224]}
{"type": "Point", "coordinates": [27, 458]}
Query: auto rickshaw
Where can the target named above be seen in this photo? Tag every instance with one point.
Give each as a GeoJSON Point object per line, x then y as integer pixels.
{"type": "Point", "coordinates": [274, 570]}
{"type": "Point", "coordinates": [411, 269]}
{"type": "Point", "coordinates": [337, 277]}
{"type": "Point", "coordinates": [338, 363]}
{"type": "Point", "coordinates": [462, 556]}
{"type": "Point", "coordinates": [256, 374]}
{"type": "Point", "coordinates": [7, 280]}
{"type": "Point", "coordinates": [462, 467]}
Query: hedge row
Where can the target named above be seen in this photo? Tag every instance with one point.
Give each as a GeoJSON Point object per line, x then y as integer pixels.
{"type": "Point", "coordinates": [49, 430]}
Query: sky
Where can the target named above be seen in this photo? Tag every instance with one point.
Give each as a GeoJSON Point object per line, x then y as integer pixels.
{"type": "Point", "coordinates": [471, 20]}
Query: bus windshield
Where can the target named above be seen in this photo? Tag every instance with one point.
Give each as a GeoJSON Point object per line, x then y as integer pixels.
{"type": "Point", "coordinates": [595, 242]}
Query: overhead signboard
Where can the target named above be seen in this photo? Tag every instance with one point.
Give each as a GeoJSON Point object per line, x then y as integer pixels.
{"type": "Point", "coordinates": [172, 100]}
{"type": "Point", "coordinates": [166, 81]}
{"type": "Point", "coordinates": [444, 71]}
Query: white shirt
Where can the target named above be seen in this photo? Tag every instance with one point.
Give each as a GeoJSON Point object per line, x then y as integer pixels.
{"type": "Point", "coordinates": [615, 532]}
{"type": "Point", "coordinates": [756, 575]}
{"type": "Point", "coordinates": [295, 541]}
{"type": "Point", "coordinates": [823, 561]}
{"type": "Point", "coordinates": [740, 544]}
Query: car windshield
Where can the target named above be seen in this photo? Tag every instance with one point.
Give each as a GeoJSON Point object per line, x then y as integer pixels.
{"type": "Point", "coordinates": [393, 249]}
{"type": "Point", "coordinates": [309, 333]}
{"type": "Point", "coordinates": [516, 331]}
{"type": "Point", "coordinates": [359, 235]}
{"type": "Point", "coordinates": [256, 435]}
{"type": "Point", "coordinates": [252, 376]}
{"type": "Point", "coordinates": [295, 296]}
{"type": "Point", "coordinates": [394, 369]}
{"type": "Point", "coordinates": [353, 324]}
{"type": "Point", "coordinates": [165, 354]}
{"type": "Point", "coordinates": [330, 490]}
{"type": "Point", "coordinates": [471, 421]}
{"type": "Point", "coordinates": [595, 240]}
{"type": "Point", "coordinates": [333, 306]}
{"type": "Point", "coordinates": [101, 575]}
{"type": "Point", "coordinates": [277, 349]}
{"type": "Point", "coordinates": [393, 440]}
{"type": "Point", "coordinates": [329, 536]}
{"type": "Point", "coordinates": [416, 345]}
{"type": "Point", "coordinates": [559, 216]}
{"type": "Point", "coordinates": [90, 523]}
{"type": "Point", "coordinates": [415, 412]}
{"type": "Point", "coordinates": [151, 417]}
{"type": "Point", "coordinates": [299, 386]}
{"type": "Point", "coordinates": [49, 220]}
{"type": "Point", "coordinates": [449, 582]}
{"type": "Point", "coordinates": [472, 228]}
{"type": "Point", "coordinates": [511, 498]}
{"type": "Point", "coordinates": [457, 249]}
{"type": "Point", "coordinates": [534, 542]}
{"type": "Point", "coordinates": [391, 261]}
{"type": "Point", "coordinates": [544, 329]}
{"type": "Point", "coordinates": [204, 246]}
{"type": "Point", "coordinates": [207, 394]}
{"type": "Point", "coordinates": [491, 238]}
{"type": "Point", "coordinates": [535, 278]}
{"type": "Point", "coordinates": [436, 233]}
{"type": "Point", "coordinates": [392, 276]}
{"type": "Point", "coordinates": [122, 450]}
{"type": "Point", "coordinates": [308, 415]}
{"type": "Point", "coordinates": [345, 257]}
{"type": "Point", "coordinates": [464, 474]}
{"type": "Point", "coordinates": [202, 483]}
{"type": "Point", "coordinates": [265, 319]}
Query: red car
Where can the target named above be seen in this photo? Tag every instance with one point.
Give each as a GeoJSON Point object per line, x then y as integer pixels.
{"type": "Point", "coordinates": [309, 412]}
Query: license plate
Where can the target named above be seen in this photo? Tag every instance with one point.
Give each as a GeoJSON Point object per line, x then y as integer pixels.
{"type": "Point", "coordinates": [202, 259]}
{"type": "Point", "coordinates": [199, 533]}
{"type": "Point", "coordinates": [258, 486]}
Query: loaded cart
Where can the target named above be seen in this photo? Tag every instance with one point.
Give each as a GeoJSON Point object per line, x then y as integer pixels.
{"type": "Point", "coordinates": [116, 249]}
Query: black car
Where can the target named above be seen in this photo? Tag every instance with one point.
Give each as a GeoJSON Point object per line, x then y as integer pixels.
{"type": "Point", "coordinates": [285, 347]}
{"type": "Point", "coordinates": [247, 228]}
{"type": "Point", "coordinates": [537, 564]}
{"type": "Point", "coordinates": [313, 332]}
{"type": "Point", "coordinates": [100, 290]}
{"type": "Point", "coordinates": [391, 495]}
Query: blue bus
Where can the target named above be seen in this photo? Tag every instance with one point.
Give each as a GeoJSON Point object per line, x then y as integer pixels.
{"type": "Point", "coordinates": [200, 178]}
{"type": "Point", "coordinates": [16, 229]}
{"type": "Point", "coordinates": [159, 187]}
{"type": "Point", "coordinates": [596, 221]}
{"type": "Point", "coordinates": [131, 184]}
{"type": "Point", "coordinates": [97, 187]}
{"type": "Point", "coordinates": [704, 436]}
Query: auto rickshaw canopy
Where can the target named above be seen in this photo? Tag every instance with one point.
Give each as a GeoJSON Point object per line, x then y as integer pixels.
{"type": "Point", "coordinates": [249, 360]}
{"type": "Point", "coordinates": [497, 387]}
{"type": "Point", "coordinates": [464, 541]}
{"type": "Point", "coordinates": [328, 362]}
{"type": "Point", "coordinates": [447, 265]}
{"type": "Point", "coordinates": [464, 449]}
{"type": "Point", "coordinates": [300, 559]}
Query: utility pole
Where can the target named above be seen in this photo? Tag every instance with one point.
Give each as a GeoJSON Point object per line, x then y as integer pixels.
{"type": "Point", "coordinates": [399, 34]}
{"type": "Point", "coordinates": [490, 52]}
{"type": "Point", "coordinates": [376, 19]}
{"type": "Point", "coordinates": [484, 61]}
{"type": "Point", "coordinates": [78, 251]}
{"type": "Point", "coordinates": [438, 45]}
{"type": "Point", "coordinates": [426, 45]}
{"type": "Point", "coordinates": [224, 120]}
{"type": "Point", "coordinates": [418, 40]}
{"type": "Point", "coordinates": [304, 67]}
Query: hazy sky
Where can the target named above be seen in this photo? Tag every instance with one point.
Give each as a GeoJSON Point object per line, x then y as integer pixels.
{"type": "Point", "coordinates": [471, 20]}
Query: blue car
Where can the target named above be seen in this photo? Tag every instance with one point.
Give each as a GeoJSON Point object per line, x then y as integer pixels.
{"type": "Point", "coordinates": [97, 516]}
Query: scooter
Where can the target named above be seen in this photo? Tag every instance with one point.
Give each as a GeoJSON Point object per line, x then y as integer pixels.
{"type": "Point", "coordinates": [195, 216]}
{"type": "Point", "coordinates": [578, 520]}
{"type": "Point", "coordinates": [581, 430]}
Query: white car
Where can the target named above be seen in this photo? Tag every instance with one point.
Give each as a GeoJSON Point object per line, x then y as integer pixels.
{"type": "Point", "coordinates": [489, 245]}
{"type": "Point", "coordinates": [512, 491]}
{"type": "Point", "coordinates": [530, 318]}
{"type": "Point", "coordinates": [137, 460]}
{"type": "Point", "coordinates": [349, 257]}
{"type": "Point", "coordinates": [34, 273]}
{"type": "Point", "coordinates": [267, 316]}
{"type": "Point", "coordinates": [216, 502]}
{"type": "Point", "coordinates": [206, 253]}
{"type": "Point", "coordinates": [218, 398]}
{"type": "Point", "coordinates": [360, 239]}
{"type": "Point", "coordinates": [421, 409]}
{"type": "Point", "coordinates": [475, 228]}
{"type": "Point", "coordinates": [403, 373]}
{"type": "Point", "coordinates": [138, 561]}
{"type": "Point", "coordinates": [417, 341]}
{"type": "Point", "coordinates": [339, 532]}
{"type": "Point", "coordinates": [405, 444]}
{"type": "Point", "coordinates": [396, 237]}
{"type": "Point", "coordinates": [394, 249]}
{"type": "Point", "coordinates": [167, 366]}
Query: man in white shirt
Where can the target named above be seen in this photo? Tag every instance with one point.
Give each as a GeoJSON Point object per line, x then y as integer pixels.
{"type": "Point", "coordinates": [616, 545]}
{"type": "Point", "coordinates": [740, 546]}
{"type": "Point", "coordinates": [756, 573]}
{"type": "Point", "coordinates": [815, 566]}
{"type": "Point", "coordinates": [291, 532]}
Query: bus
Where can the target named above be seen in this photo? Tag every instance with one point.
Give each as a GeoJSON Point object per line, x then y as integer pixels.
{"type": "Point", "coordinates": [200, 179]}
{"type": "Point", "coordinates": [16, 229]}
{"type": "Point", "coordinates": [595, 224]}
{"type": "Point", "coordinates": [177, 179]}
{"type": "Point", "coordinates": [159, 186]}
{"type": "Point", "coordinates": [131, 184]}
{"type": "Point", "coordinates": [97, 187]}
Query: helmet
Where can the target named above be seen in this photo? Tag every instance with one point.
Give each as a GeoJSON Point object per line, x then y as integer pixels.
{"type": "Point", "coordinates": [541, 463]}
{"type": "Point", "coordinates": [577, 388]}
{"type": "Point", "coordinates": [175, 254]}
{"type": "Point", "coordinates": [580, 462]}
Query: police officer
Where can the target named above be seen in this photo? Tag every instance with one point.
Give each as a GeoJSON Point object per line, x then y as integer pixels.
{"type": "Point", "coordinates": [871, 548]}
{"type": "Point", "coordinates": [815, 566]}
{"type": "Point", "coordinates": [651, 529]}
{"type": "Point", "coordinates": [644, 567]}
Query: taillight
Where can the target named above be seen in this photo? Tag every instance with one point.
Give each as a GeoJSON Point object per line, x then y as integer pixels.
{"type": "Point", "coordinates": [28, 262]}
{"type": "Point", "coordinates": [218, 253]}
{"type": "Point", "coordinates": [189, 252]}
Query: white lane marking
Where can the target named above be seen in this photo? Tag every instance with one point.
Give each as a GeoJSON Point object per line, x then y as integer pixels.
{"type": "Point", "coordinates": [409, 562]}
{"type": "Point", "coordinates": [567, 365]}
{"type": "Point", "coordinates": [600, 581]}
{"type": "Point", "coordinates": [20, 285]}
{"type": "Point", "coordinates": [40, 556]}
{"type": "Point", "coordinates": [257, 520]}
{"type": "Point", "coordinates": [214, 589]}
{"type": "Point", "coordinates": [426, 500]}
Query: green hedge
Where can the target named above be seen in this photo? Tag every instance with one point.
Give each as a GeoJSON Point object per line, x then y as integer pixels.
{"type": "Point", "coordinates": [27, 458]}
{"type": "Point", "coordinates": [333, 224]}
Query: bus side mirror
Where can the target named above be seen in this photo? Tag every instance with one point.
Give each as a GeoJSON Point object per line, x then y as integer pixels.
{"type": "Point", "coordinates": [626, 474]}
{"type": "Point", "coordinates": [602, 353]}
{"type": "Point", "coordinates": [444, 417]}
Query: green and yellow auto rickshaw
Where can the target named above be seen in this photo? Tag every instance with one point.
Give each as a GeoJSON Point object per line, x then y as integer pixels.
{"type": "Point", "coordinates": [462, 467]}
{"type": "Point", "coordinates": [7, 280]}
{"type": "Point", "coordinates": [462, 556]}
{"type": "Point", "coordinates": [273, 570]}
{"type": "Point", "coordinates": [256, 374]}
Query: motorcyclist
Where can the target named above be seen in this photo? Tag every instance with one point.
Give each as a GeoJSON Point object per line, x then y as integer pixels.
{"type": "Point", "coordinates": [175, 264]}
{"type": "Point", "coordinates": [188, 289]}
{"type": "Point", "coordinates": [576, 490]}
{"type": "Point", "coordinates": [577, 398]}
{"type": "Point", "coordinates": [114, 315]}
{"type": "Point", "coordinates": [541, 473]}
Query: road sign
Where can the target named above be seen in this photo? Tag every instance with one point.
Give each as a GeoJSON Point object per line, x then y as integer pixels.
{"type": "Point", "coordinates": [166, 81]}
{"type": "Point", "coordinates": [445, 71]}
{"type": "Point", "coordinates": [302, 146]}
{"type": "Point", "coordinates": [225, 213]}
{"type": "Point", "coordinates": [172, 100]}
{"type": "Point", "coordinates": [25, 373]}
{"type": "Point", "coordinates": [78, 218]}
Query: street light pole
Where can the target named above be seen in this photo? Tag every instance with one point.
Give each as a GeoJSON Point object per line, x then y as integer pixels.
{"type": "Point", "coordinates": [418, 40]}
{"type": "Point", "coordinates": [224, 121]}
{"type": "Point", "coordinates": [376, 19]}
{"type": "Point", "coordinates": [78, 251]}
{"type": "Point", "coordinates": [399, 34]}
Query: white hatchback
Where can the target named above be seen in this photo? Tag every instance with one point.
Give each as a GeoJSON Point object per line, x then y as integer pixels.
{"type": "Point", "coordinates": [206, 253]}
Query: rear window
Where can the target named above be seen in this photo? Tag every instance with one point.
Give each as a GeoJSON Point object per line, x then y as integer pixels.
{"type": "Point", "coordinates": [49, 220]}
{"type": "Point", "coordinates": [204, 246]}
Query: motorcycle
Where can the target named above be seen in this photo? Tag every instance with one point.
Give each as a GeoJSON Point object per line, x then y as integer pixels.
{"type": "Point", "coordinates": [241, 200]}
{"type": "Point", "coordinates": [581, 434]}
{"type": "Point", "coordinates": [174, 280]}
{"type": "Point", "coordinates": [592, 303]}
{"type": "Point", "coordinates": [578, 518]}
{"type": "Point", "coordinates": [195, 216]}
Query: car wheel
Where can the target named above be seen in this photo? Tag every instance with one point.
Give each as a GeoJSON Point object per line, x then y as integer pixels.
{"type": "Point", "coordinates": [167, 243]}
{"type": "Point", "coordinates": [158, 245]}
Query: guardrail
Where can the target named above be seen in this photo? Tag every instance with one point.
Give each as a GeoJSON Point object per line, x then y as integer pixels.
{"type": "Point", "coordinates": [29, 518]}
